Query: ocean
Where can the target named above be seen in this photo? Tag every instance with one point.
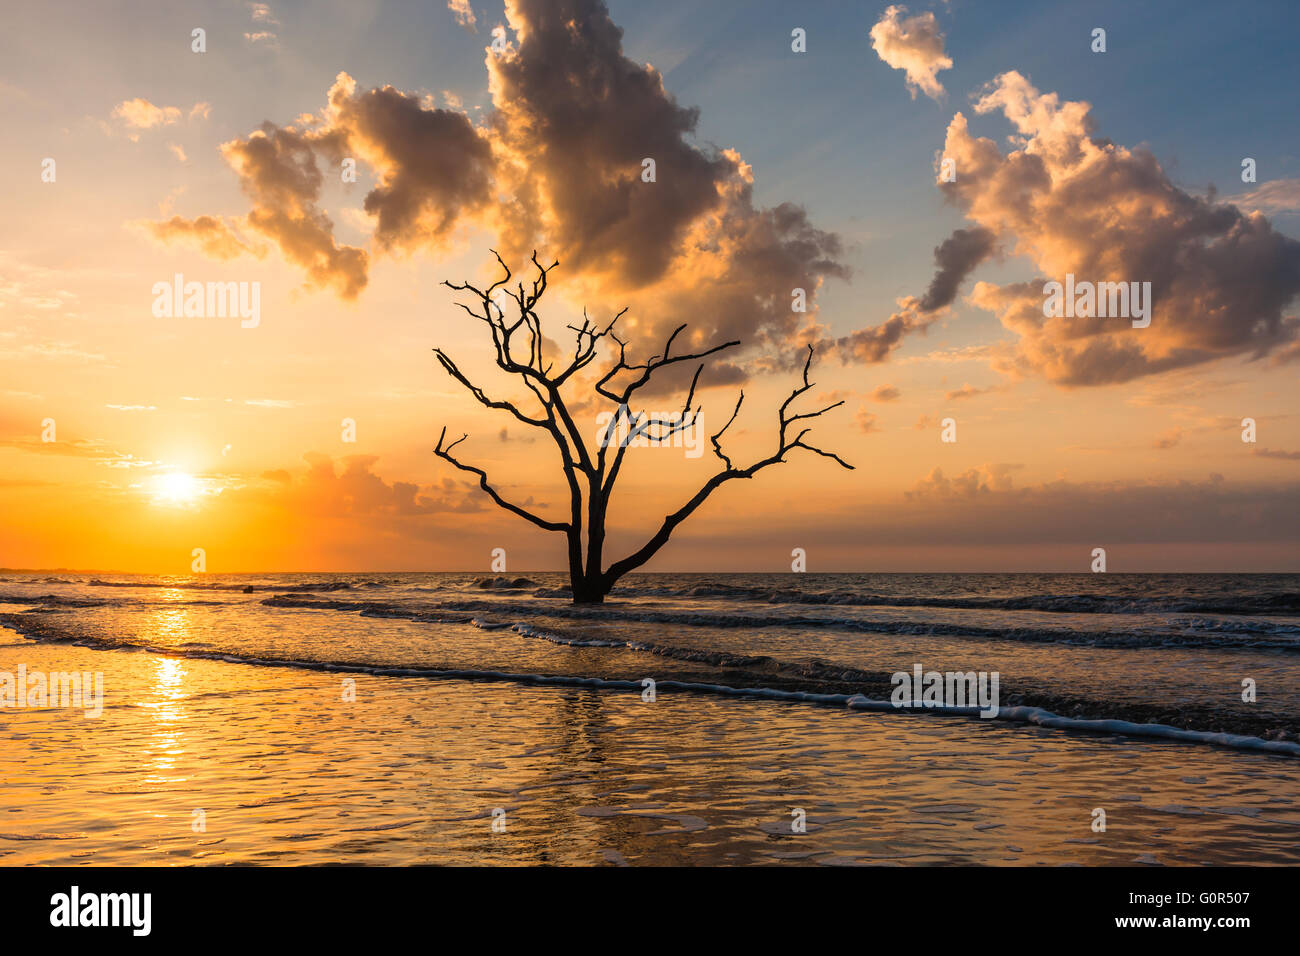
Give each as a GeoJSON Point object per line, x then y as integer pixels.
{"type": "Point", "coordinates": [716, 718]}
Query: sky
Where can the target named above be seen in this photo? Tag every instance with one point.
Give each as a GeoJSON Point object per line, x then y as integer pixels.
{"type": "Point", "coordinates": [794, 148]}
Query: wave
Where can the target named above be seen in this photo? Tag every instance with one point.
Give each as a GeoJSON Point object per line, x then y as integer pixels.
{"type": "Point", "coordinates": [500, 583]}
{"type": "Point", "coordinates": [1268, 602]}
{"type": "Point", "coordinates": [1015, 713]}
{"type": "Point", "coordinates": [51, 600]}
{"type": "Point", "coordinates": [1253, 635]}
{"type": "Point", "coordinates": [308, 586]}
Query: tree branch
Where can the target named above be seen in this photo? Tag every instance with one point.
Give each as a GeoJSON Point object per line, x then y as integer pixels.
{"type": "Point", "coordinates": [446, 455]}
{"type": "Point", "coordinates": [730, 473]}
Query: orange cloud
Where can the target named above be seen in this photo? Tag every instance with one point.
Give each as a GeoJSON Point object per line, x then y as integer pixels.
{"type": "Point", "coordinates": [1077, 204]}
{"type": "Point", "coordinates": [139, 113]}
{"type": "Point", "coordinates": [279, 171]}
{"type": "Point", "coordinates": [356, 490]}
{"type": "Point", "coordinates": [212, 234]}
{"type": "Point", "coordinates": [464, 14]}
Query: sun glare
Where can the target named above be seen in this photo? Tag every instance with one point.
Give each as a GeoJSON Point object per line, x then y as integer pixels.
{"type": "Point", "coordinates": [177, 487]}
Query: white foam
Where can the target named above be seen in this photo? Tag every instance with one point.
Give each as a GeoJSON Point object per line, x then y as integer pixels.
{"type": "Point", "coordinates": [1045, 718]}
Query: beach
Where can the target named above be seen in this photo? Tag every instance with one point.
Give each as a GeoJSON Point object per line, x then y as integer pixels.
{"type": "Point", "coordinates": [216, 745]}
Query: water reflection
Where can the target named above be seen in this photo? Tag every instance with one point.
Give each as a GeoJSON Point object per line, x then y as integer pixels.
{"type": "Point", "coordinates": [171, 624]}
{"type": "Point", "coordinates": [168, 706]}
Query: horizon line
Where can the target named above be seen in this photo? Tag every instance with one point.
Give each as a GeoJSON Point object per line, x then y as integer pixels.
{"type": "Point", "coordinates": [562, 571]}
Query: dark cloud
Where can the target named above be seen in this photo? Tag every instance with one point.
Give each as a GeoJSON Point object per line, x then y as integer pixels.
{"type": "Point", "coordinates": [433, 166]}
{"type": "Point", "coordinates": [574, 120]}
{"type": "Point", "coordinates": [556, 166]}
{"type": "Point", "coordinates": [957, 256]}
{"type": "Point", "coordinates": [954, 259]}
{"type": "Point", "coordinates": [875, 344]}
{"type": "Point", "coordinates": [577, 118]}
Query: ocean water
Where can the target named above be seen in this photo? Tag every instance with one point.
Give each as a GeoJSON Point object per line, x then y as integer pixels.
{"type": "Point", "coordinates": [1160, 649]}
{"type": "Point", "coordinates": [480, 694]}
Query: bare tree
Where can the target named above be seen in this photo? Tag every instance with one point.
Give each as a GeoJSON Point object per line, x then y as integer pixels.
{"type": "Point", "coordinates": [591, 474]}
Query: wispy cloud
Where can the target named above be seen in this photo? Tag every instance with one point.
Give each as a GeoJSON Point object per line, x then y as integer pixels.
{"type": "Point", "coordinates": [464, 14]}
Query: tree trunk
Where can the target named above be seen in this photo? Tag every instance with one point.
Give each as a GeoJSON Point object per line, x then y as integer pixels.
{"type": "Point", "coordinates": [586, 592]}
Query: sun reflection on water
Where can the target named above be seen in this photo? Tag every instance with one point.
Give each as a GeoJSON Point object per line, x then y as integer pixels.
{"type": "Point", "coordinates": [166, 743]}
{"type": "Point", "coordinates": [171, 624]}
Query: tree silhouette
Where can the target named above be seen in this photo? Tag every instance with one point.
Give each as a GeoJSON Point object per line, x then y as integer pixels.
{"type": "Point", "coordinates": [591, 474]}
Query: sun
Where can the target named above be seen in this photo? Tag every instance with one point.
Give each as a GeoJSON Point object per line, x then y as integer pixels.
{"type": "Point", "coordinates": [177, 488]}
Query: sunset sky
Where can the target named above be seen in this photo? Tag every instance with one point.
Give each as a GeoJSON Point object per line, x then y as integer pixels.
{"type": "Point", "coordinates": [775, 169]}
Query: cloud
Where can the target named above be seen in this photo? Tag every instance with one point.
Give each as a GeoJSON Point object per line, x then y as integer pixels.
{"type": "Point", "coordinates": [351, 487]}
{"type": "Point", "coordinates": [464, 14]}
{"type": "Point", "coordinates": [556, 166]}
{"type": "Point", "coordinates": [139, 113]}
{"type": "Point", "coordinates": [573, 121]}
{"type": "Point", "coordinates": [278, 170]}
{"type": "Point", "coordinates": [505, 436]}
{"type": "Point", "coordinates": [875, 344]}
{"type": "Point", "coordinates": [212, 234]}
{"type": "Point", "coordinates": [972, 483]}
{"type": "Point", "coordinates": [100, 452]}
{"type": "Point", "coordinates": [55, 351]}
{"type": "Point", "coordinates": [433, 166]}
{"type": "Point", "coordinates": [983, 507]}
{"type": "Point", "coordinates": [866, 421]}
{"type": "Point", "coordinates": [261, 13]}
{"type": "Point", "coordinates": [1280, 195]}
{"type": "Point", "coordinates": [1169, 439]}
{"type": "Point", "coordinates": [80, 448]}
{"type": "Point", "coordinates": [1282, 455]}
{"type": "Point", "coordinates": [885, 393]}
{"type": "Point", "coordinates": [954, 259]}
{"type": "Point", "coordinates": [957, 256]}
{"type": "Point", "coordinates": [1075, 203]}
{"type": "Point", "coordinates": [969, 391]}
{"type": "Point", "coordinates": [913, 45]}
